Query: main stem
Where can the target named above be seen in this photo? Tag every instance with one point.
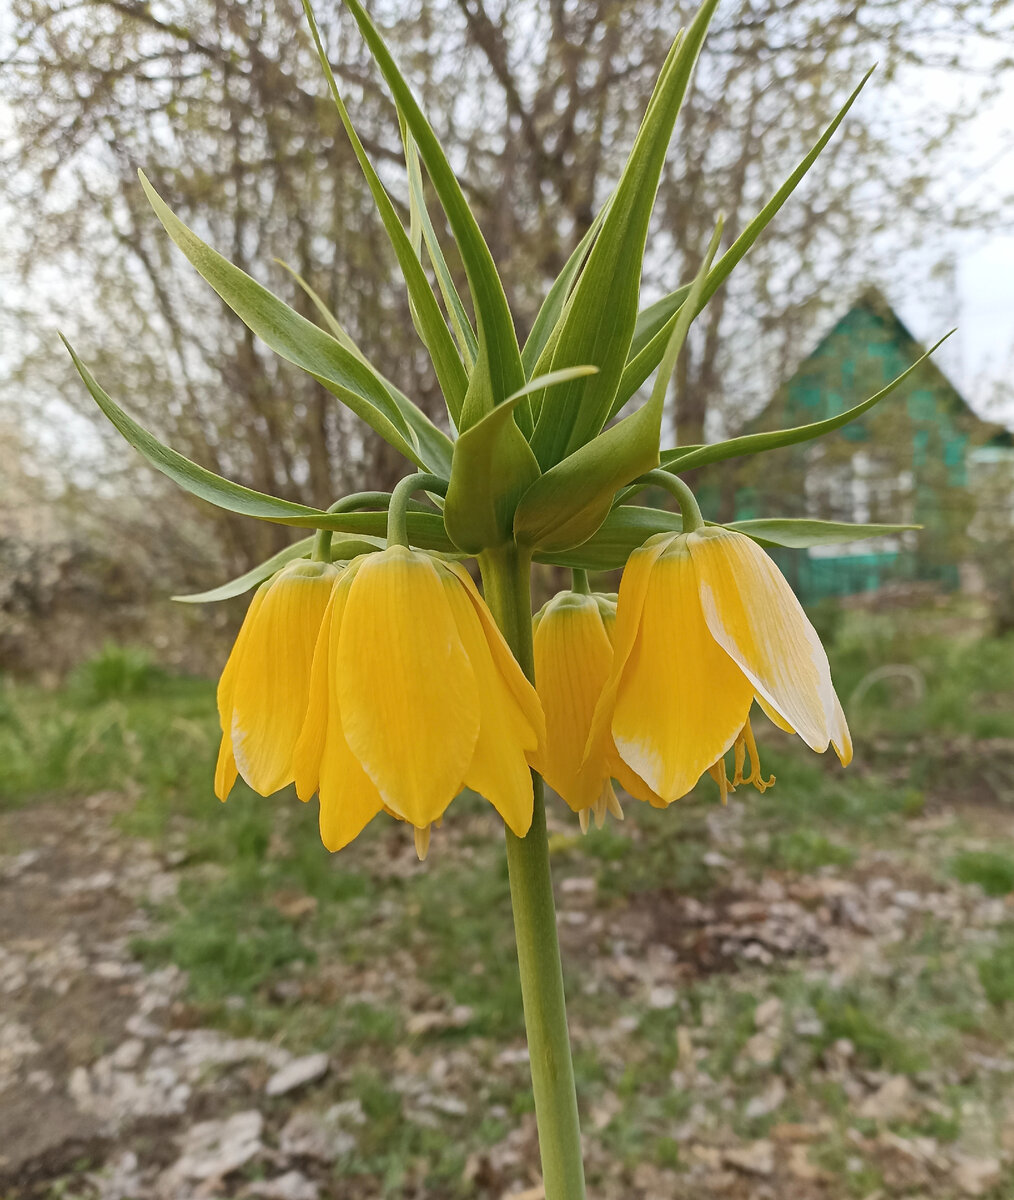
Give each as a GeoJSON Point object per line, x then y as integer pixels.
{"type": "Point", "coordinates": [507, 585]}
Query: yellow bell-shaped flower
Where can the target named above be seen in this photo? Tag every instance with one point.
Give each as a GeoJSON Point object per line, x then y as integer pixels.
{"type": "Point", "coordinates": [262, 694]}
{"type": "Point", "coordinates": [705, 624]}
{"type": "Point", "coordinates": [414, 695]}
{"type": "Point", "coordinates": [573, 654]}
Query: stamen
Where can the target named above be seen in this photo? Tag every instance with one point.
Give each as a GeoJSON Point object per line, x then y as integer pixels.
{"type": "Point", "coordinates": [599, 809]}
{"type": "Point", "coordinates": [584, 816]}
{"type": "Point", "coordinates": [746, 743]}
{"type": "Point", "coordinates": [739, 751]}
{"type": "Point", "coordinates": [612, 803]}
{"type": "Point", "coordinates": [422, 842]}
{"type": "Point", "coordinates": [717, 773]}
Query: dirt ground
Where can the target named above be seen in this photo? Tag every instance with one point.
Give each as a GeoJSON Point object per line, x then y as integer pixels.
{"type": "Point", "coordinates": [109, 1090]}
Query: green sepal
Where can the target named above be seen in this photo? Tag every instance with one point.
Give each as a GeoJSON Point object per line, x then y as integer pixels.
{"type": "Point", "coordinates": [683, 458]}
{"type": "Point", "coordinates": [493, 467]}
{"type": "Point", "coordinates": [498, 372]}
{"type": "Point", "coordinates": [349, 377]}
{"type": "Point", "coordinates": [629, 527]}
{"type": "Point", "coordinates": [644, 357]}
{"type": "Point", "coordinates": [196, 480]}
{"type": "Point", "coordinates": [565, 506]}
{"type": "Point", "coordinates": [426, 314]}
{"type": "Point", "coordinates": [601, 313]}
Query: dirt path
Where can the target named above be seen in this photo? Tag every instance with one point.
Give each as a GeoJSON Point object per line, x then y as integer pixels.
{"type": "Point", "coordinates": [98, 1083]}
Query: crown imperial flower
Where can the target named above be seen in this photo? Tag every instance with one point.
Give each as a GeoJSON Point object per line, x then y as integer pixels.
{"type": "Point", "coordinates": [263, 689]}
{"type": "Point", "coordinates": [414, 695]}
{"type": "Point", "coordinates": [705, 625]}
{"type": "Point", "coordinates": [573, 654]}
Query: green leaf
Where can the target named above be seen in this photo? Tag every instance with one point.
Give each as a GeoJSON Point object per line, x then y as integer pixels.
{"type": "Point", "coordinates": [548, 317]}
{"type": "Point", "coordinates": [683, 458]}
{"type": "Point", "coordinates": [498, 372]}
{"type": "Point", "coordinates": [570, 501]}
{"type": "Point", "coordinates": [345, 549]}
{"type": "Point", "coordinates": [425, 529]}
{"type": "Point", "coordinates": [799, 534]}
{"type": "Point", "coordinates": [629, 526]}
{"type": "Point", "coordinates": [426, 314]}
{"type": "Point", "coordinates": [198, 481]}
{"type": "Point", "coordinates": [493, 467]}
{"type": "Point", "coordinates": [602, 312]}
{"type": "Point", "coordinates": [250, 579]}
{"type": "Point", "coordinates": [463, 331]}
{"type": "Point", "coordinates": [393, 416]}
{"type": "Point", "coordinates": [328, 317]}
{"type": "Point", "coordinates": [619, 535]}
{"type": "Point", "coordinates": [645, 355]}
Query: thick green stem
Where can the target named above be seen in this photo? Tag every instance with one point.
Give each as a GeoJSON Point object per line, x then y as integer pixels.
{"type": "Point", "coordinates": [506, 579]}
{"type": "Point", "coordinates": [691, 513]}
{"type": "Point", "coordinates": [397, 512]}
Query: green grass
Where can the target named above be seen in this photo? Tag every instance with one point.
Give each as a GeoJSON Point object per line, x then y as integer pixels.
{"type": "Point", "coordinates": [996, 972]}
{"type": "Point", "coordinates": [993, 872]}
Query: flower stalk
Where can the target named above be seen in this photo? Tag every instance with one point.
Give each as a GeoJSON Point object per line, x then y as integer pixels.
{"type": "Point", "coordinates": [507, 587]}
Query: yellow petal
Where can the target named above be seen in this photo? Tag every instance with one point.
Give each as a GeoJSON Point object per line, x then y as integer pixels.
{"type": "Point", "coordinates": [507, 664]}
{"type": "Point", "coordinates": [499, 769]}
{"type": "Point", "coordinates": [348, 798]}
{"type": "Point", "coordinates": [755, 617]}
{"type": "Point", "coordinates": [408, 696]}
{"type": "Point", "coordinates": [225, 768]}
{"type": "Point", "coordinates": [681, 700]}
{"type": "Point", "coordinates": [227, 682]}
{"type": "Point", "coordinates": [841, 739]}
{"type": "Point", "coordinates": [573, 655]}
{"type": "Point", "coordinates": [633, 589]}
{"type": "Point", "coordinates": [775, 718]}
{"type": "Point", "coordinates": [309, 748]}
{"type": "Point", "coordinates": [273, 679]}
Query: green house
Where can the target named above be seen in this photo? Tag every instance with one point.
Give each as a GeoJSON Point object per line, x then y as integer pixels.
{"type": "Point", "coordinates": [906, 461]}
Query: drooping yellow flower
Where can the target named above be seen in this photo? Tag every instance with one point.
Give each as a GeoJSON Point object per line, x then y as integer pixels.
{"type": "Point", "coordinates": [262, 694]}
{"type": "Point", "coordinates": [414, 695]}
{"type": "Point", "coordinates": [573, 654]}
{"type": "Point", "coordinates": [706, 623]}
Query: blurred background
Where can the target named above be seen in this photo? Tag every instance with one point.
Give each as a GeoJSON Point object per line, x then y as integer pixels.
{"type": "Point", "coordinates": [809, 993]}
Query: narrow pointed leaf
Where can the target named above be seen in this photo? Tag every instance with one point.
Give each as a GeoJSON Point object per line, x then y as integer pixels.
{"type": "Point", "coordinates": [799, 534]}
{"type": "Point", "coordinates": [344, 549]}
{"type": "Point", "coordinates": [330, 320]}
{"type": "Point", "coordinates": [552, 308]}
{"type": "Point", "coordinates": [683, 458]}
{"type": "Point", "coordinates": [429, 320]}
{"type": "Point", "coordinates": [565, 506]}
{"type": "Point", "coordinates": [602, 312]}
{"type": "Point", "coordinates": [425, 529]}
{"type": "Point", "coordinates": [463, 331]}
{"type": "Point", "coordinates": [648, 350]}
{"type": "Point", "coordinates": [493, 467]}
{"type": "Point", "coordinates": [196, 480]}
{"type": "Point", "coordinates": [498, 372]}
{"type": "Point", "coordinates": [629, 526]}
{"type": "Point", "coordinates": [358, 385]}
